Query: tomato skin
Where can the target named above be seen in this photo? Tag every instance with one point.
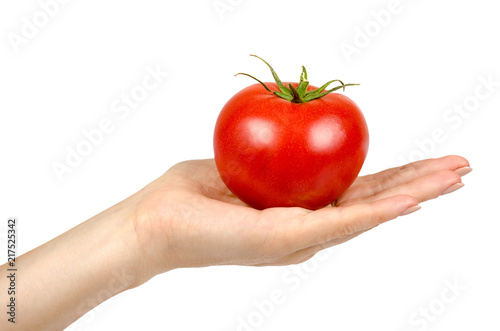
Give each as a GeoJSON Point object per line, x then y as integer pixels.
{"type": "Point", "coordinates": [271, 152]}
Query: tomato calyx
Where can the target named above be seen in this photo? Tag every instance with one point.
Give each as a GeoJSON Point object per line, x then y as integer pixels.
{"type": "Point", "coordinates": [300, 93]}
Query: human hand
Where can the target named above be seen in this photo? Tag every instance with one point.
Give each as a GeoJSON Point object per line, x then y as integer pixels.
{"type": "Point", "coordinates": [188, 218]}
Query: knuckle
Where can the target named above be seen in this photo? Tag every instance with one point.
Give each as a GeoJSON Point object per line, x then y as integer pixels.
{"type": "Point", "coordinates": [345, 229]}
{"type": "Point", "coordinates": [408, 171]}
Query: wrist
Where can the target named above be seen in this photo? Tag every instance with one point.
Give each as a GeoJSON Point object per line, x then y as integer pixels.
{"type": "Point", "coordinates": [130, 264]}
{"type": "Point", "coordinates": [148, 250]}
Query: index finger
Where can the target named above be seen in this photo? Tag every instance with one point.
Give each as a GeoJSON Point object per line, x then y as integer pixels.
{"type": "Point", "coordinates": [372, 184]}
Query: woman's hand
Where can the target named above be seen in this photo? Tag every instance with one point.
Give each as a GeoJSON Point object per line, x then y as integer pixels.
{"type": "Point", "coordinates": [188, 218]}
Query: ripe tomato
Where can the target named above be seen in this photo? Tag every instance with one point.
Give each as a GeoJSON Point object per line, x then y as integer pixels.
{"type": "Point", "coordinates": [275, 148]}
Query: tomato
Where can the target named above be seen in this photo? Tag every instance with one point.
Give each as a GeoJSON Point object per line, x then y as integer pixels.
{"type": "Point", "coordinates": [275, 148]}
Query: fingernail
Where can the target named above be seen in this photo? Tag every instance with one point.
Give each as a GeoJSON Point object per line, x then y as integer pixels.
{"type": "Point", "coordinates": [453, 188]}
{"type": "Point", "coordinates": [463, 171]}
{"type": "Point", "coordinates": [410, 210]}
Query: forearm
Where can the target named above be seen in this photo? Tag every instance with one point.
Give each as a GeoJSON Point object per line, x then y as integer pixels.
{"type": "Point", "coordinates": [63, 279]}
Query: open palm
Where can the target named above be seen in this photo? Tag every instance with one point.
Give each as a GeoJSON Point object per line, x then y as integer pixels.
{"type": "Point", "coordinates": [193, 218]}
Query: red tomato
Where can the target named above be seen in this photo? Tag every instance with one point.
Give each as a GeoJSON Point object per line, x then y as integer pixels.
{"type": "Point", "coordinates": [272, 152]}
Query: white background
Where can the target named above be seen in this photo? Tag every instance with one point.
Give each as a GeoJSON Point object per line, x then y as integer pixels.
{"type": "Point", "coordinates": [413, 68]}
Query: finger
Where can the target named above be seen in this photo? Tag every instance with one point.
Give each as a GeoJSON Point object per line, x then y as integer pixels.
{"type": "Point", "coordinates": [422, 167]}
{"type": "Point", "coordinates": [373, 184]}
{"type": "Point", "coordinates": [307, 253]}
{"type": "Point", "coordinates": [327, 224]}
{"type": "Point", "coordinates": [423, 188]}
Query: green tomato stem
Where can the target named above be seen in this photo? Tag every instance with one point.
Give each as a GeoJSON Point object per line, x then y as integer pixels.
{"type": "Point", "coordinates": [299, 94]}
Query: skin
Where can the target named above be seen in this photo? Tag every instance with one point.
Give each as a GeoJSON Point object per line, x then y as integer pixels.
{"type": "Point", "coordinates": [188, 218]}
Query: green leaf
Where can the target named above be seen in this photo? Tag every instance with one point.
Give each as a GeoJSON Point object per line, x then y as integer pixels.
{"type": "Point", "coordinates": [285, 96]}
{"type": "Point", "coordinates": [322, 88]}
{"type": "Point", "coordinates": [300, 93]}
{"type": "Point", "coordinates": [302, 87]}
{"type": "Point", "coordinates": [265, 86]}
{"type": "Point", "coordinates": [317, 96]}
{"type": "Point", "coordinates": [303, 75]}
{"type": "Point", "coordinates": [297, 98]}
{"type": "Point", "coordinates": [275, 76]}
